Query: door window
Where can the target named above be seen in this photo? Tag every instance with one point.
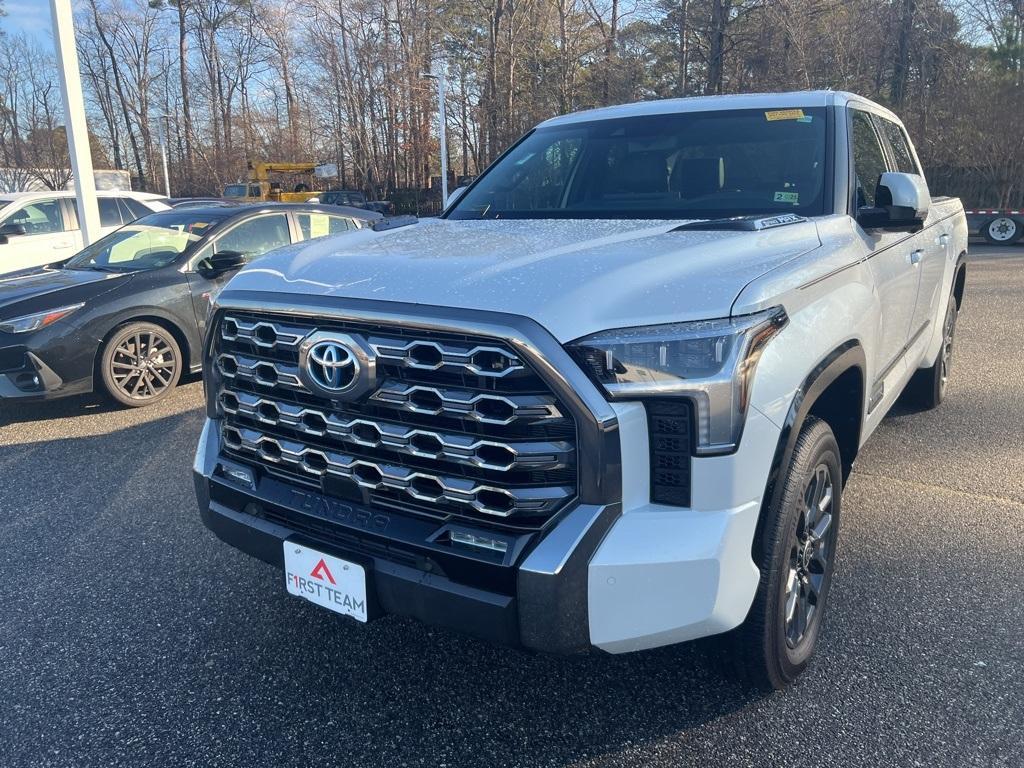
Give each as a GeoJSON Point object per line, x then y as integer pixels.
{"type": "Point", "coordinates": [138, 209]}
{"type": "Point", "coordinates": [868, 159]}
{"type": "Point", "coordinates": [321, 224]}
{"type": "Point", "coordinates": [900, 148]}
{"type": "Point", "coordinates": [42, 217]}
{"type": "Point", "coordinates": [110, 214]}
{"type": "Point", "coordinates": [257, 236]}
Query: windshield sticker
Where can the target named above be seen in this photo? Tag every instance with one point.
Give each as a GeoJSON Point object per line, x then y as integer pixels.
{"type": "Point", "coordinates": [784, 114]}
{"type": "Point", "coordinates": [787, 197]}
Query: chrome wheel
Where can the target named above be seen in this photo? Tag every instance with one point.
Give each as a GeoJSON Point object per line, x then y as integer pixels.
{"type": "Point", "coordinates": [143, 365]}
{"type": "Point", "coordinates": [810, 556]}
{"type": "Point", "coordinates": [946, 354]}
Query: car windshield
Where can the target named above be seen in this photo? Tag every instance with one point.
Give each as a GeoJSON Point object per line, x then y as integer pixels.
{"type": "Point", "coordinates": [151, 242]}
{"type": "Point", "coordinates": [236, 190]}
{"type": "Point", "coordinates": [696, 165]}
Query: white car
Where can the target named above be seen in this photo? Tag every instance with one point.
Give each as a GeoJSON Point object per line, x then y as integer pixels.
{"type": "Point", "coordinates": [610, 397]}
{"type": "Point", "coordinates": [38, 228]}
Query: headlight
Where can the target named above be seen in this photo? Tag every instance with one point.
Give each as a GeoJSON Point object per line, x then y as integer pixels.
{"type": "Point", "coordinates": [27, 323]}
{"type": "Point", "coordinates": [711, 362]}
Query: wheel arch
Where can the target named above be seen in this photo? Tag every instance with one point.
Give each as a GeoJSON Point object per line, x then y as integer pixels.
{"type": "Point", "coordinates": [960, 280]}
{"type": "Point", "coordinates": [834, 391]}
{"type": "Point", "coordinates": [166, 323]}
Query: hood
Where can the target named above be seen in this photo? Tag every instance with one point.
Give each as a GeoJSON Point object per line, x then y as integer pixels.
{"type": "Point", "coordinates": [41, 289]}
{"type": "Point", "coordinates": [574, 277]}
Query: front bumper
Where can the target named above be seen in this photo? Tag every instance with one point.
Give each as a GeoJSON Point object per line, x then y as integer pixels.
{"type": "Point", "coordinates": [25, 376]}
{"type": "Point", "coordinates": [619, 577]}
{"type": "Point", "coordinates": [538, 604]}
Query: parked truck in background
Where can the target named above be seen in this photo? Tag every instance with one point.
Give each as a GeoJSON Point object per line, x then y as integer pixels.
{"type": "Point", "coordinates": [261, 187]}
{"type": "Point", "coordinates": [610, 399]}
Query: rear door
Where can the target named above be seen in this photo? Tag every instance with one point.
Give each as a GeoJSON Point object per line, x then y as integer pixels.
{"type": "Point", "coordinates": [48, 235]}
{"type": "Point", "coordinates": [933, 242]}
{"type": "Point", "coordinates": [312, 224]}
{"type": "Point", "coordinates": [254, 237]}
{"type": "Point", "coordinates": [892, 257]}
{"type": "Point", "coordinates": [111, 216]}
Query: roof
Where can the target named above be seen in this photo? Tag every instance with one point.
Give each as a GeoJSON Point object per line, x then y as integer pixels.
{"type": "Point", "coordinates": [46, 194]}
{"type": "Point", "coordinates": [711, 103]}
{"type": "Point", "coordinates": [237, 210]}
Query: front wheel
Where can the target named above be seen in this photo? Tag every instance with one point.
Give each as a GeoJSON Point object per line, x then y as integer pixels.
{"type": "Point", "coordinates": [796, 554]}
{"type": "Point", "coordinates": [140, 365]}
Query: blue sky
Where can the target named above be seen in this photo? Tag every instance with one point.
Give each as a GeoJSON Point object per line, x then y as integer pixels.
{"type": "Point", "coordinates": [29, 16]}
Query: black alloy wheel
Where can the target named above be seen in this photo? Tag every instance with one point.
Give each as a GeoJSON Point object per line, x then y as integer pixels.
{"type": "Point", "coordinates": [141, 364]}
{"type": "Point", "coordinates": [795, 553]}
{"type": "Point", "coordinates": [810, 556]}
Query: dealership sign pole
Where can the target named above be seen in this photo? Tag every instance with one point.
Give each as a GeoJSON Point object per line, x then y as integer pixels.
{"type": "Point", "coordinates": [74, 119]}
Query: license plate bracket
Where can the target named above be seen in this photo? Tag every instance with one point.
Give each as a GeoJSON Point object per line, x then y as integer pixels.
{"type": "Point", "coordinates": [329, 581]}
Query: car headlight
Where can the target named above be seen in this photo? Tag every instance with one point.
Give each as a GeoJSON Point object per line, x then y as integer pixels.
{"type": "Point", "coordinates": [711, 362]}
{"type": "Point", "coordinates": [34, 322]}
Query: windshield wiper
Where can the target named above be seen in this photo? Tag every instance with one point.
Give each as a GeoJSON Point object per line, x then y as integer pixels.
{"type": "Point", "coordinates": [752, 223]}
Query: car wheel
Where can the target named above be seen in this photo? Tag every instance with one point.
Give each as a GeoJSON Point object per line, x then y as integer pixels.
{"type": "Point", "coordinates": [1002, 231]}
{"type": "Point", "coordinates": [140, 365]}
{"type": "Point", "coordinates": [795, 553]}
{"type": "Point", "coordinates": [927, 388]}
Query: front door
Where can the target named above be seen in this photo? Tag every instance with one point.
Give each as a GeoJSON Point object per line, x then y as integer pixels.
{"type": "Point", "coordinates": [933, 244]}
{"type": "Point", "coordinates": [253, 237]}
{"type": "Point", "coordinates": [45, 240]}
{"type": "Point", "coordinates": [893, 256]}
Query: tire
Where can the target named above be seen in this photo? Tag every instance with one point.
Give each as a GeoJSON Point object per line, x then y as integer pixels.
{"type": "Point", "coordinates": [927, 388]}
{"type": "Point", "coordinates": [795, 553]}
{"type": "Point", "coordinates": [1003, 230]}
{"type": "Point", "coordinates": [136, 381]}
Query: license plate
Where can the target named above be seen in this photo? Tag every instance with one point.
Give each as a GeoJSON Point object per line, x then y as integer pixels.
{"type": "Point", "coordinates": [328, 581]}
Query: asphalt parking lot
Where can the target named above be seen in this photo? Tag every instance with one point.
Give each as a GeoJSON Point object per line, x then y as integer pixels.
{"type": "Point", "coordinates": [130, 636]}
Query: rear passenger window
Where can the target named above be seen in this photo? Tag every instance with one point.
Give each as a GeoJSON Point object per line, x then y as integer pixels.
{"type": "Point", "coordinates": [137, 209]}
{"type": "Point", "coordinates": [322, 224]}
{"type": "Point", "coordinates": [868, 159]}
{"type": "Point", "coordinates": [900, 148]}
{"type": "Point", "coordinates": [110, 214]}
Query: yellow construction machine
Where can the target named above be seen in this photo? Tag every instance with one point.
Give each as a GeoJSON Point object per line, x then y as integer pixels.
{"type": "Point", "coordinates": [260, 187]}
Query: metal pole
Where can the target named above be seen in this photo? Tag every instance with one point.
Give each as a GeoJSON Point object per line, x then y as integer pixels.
{"type": "Point", "coordinates": [163, 154]}
{"type": "Point", "coordinates": [74, 118]}
{"type": "Point", "coordinates": [442, 120]}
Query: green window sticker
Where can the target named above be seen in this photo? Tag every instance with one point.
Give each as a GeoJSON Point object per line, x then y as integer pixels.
{"type": "Point", "coordinates": [787, 197]}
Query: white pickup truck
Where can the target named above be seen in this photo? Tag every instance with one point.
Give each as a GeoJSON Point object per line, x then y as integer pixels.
{"type": "Point", "coordinates": [610, 398]}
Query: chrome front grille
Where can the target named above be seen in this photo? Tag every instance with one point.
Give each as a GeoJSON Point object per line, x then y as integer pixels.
{"type": "Point", "coordinates": [455, 426]}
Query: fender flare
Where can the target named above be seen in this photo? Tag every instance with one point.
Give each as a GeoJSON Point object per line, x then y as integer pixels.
{"type": "Point", "coordinates": [158, 316]}
{"type": "Point", "coordinates": [847, 355]}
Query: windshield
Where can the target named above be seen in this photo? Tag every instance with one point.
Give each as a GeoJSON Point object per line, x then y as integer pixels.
{"type": "Point", "coordinates": [149, 243]}
{"type": "Point", "coordinates": [236, 190]}
{"type": "Point", "coordinates": [697, 165]}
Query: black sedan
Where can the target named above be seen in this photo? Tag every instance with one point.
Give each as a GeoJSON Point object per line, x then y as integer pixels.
{"type": "Point", "coordinates": [126, 315]}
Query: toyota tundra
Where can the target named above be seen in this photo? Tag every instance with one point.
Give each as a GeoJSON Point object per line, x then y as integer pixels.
{"type": "Point", "coordinates": [610, 397]}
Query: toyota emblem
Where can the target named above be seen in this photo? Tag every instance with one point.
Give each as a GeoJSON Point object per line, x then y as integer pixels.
{"type": "Point", "coordinates": [332, 365]}
{"type": "Point", "coordinates": [337, 365]}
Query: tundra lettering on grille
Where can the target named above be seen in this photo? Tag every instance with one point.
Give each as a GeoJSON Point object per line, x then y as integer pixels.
{"type": "Point", "coordinates": [395, 418]}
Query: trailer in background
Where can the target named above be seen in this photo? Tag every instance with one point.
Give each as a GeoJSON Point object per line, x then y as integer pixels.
{"type": "Point", "coordinates": [999, 227]}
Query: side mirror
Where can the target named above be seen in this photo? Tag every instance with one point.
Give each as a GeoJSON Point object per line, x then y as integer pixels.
{"type": "Point", "coordinates": [902, 202]}
{"type": "Point", "coordinates": [221, 263]}
{"type": "Point", "coordinates": [11, 230]}
{"type": "Point", "coordinates": [455, 195]}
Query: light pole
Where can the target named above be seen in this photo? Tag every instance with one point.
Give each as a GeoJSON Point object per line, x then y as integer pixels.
{"type": "Point", "coordinates": [74, 118]}
{"type": "Point", "coordinates": [442, 124]}
{"type": "Point", "coordinates": [162, 130]}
